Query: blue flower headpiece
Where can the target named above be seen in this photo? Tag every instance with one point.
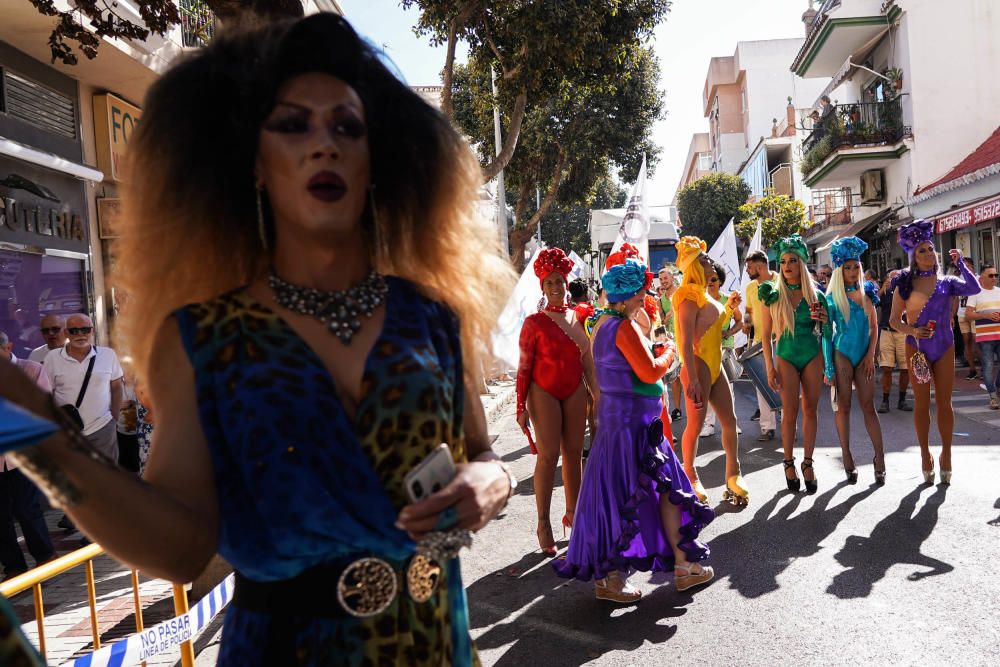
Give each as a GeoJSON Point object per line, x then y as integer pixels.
{"type": "Point", "coordinates": [623, 281]}
{"type": "Point", "coordinates": [847, 248]}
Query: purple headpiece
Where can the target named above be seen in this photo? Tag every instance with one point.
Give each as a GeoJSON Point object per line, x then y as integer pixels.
{"type": "Point", "coordinates": [915, 233]}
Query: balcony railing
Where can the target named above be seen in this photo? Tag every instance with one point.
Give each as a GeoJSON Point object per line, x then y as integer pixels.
{"type": "Point", "coordinates": [854, 125]}
{"type": "Point", "coordinates": [197, 23]}
{"type": "Point", "coordinates": [830, 207]}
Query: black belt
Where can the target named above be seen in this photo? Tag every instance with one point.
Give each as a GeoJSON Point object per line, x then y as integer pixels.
{"type": "Point", "coordinates": [887, 329]}
{"type": "Point", "coordinates": [361, 587]}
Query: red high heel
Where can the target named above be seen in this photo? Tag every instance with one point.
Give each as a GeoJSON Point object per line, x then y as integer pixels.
{"type": "Point", "coordinates": [545, 530]}
{"type": "Point", "coordinates": [567, 522]}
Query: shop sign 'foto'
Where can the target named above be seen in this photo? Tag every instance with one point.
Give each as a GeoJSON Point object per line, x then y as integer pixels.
{"type": "Point", "coordinates": [115, 121]}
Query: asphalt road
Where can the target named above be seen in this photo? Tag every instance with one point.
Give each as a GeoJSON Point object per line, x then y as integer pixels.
{"type": "Point", "coordinates": [902, 574]}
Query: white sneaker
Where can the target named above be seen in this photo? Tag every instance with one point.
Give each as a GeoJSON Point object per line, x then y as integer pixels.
{"type": "Point", "coordinates": [739, 431]}
{"type": "Point", "coordinates": [707, 430]}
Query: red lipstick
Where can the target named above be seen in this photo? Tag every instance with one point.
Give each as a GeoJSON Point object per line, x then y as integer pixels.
{"type": "Point", "coordinates": [327, 186]}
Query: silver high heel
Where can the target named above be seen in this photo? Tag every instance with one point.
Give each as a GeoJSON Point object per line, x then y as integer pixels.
{"type": "Point", "coordinates": [945, 476]}
{"type": "Point", "coordinates": [929, 475]}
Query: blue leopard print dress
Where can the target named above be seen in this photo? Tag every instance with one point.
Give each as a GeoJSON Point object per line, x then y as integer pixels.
{"type": "Point", "coordinates": [300, 484]}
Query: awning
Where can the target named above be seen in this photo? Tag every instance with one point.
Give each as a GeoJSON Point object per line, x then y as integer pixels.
{"type": "Point", "coordinates": [861, 225]}
{"type": "Point", "coordinates": [846, 70]}
{"type": "Point", "coordinates": [20, 151]}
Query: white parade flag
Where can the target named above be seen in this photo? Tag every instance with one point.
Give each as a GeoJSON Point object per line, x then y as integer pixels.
{"type": "Point", "coordinates": [523, 301]}
{"type": "Point", "coordinates": [635, 225]}
{"type": "Point", "coordinates": [724, 252]}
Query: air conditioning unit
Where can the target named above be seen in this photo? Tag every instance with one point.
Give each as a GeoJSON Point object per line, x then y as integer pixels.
{"type": "Point", "coordinates": [872, 187]}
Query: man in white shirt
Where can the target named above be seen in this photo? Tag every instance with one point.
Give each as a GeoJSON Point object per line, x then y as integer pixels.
{"type": "Point", "coordinates": [101, 399]}
{"type": "Point", "coordinates": [53, 329]}
{"type": "Point", "coordinates": [19, 498]}
{"type": "Point", "coordinates": [983, 310]}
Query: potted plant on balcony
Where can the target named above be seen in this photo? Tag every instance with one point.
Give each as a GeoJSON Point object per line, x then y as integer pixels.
{"type": "Point", "coordinates": [895, 75]}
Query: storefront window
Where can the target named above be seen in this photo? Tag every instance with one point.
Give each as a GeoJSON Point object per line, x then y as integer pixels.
{"type": "Point", "coordinates": [32, 286]}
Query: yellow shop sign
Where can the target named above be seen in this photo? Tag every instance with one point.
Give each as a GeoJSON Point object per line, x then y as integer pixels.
{"type": "Point", "coordinates": [115, 121]}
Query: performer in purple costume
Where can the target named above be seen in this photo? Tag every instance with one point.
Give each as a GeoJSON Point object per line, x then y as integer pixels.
{"type": "Point", "coordinates": [636, 509]}
{"type": "Point", "coordinates": [925, 296]}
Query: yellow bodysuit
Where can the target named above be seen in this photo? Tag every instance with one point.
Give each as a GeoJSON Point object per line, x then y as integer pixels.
{"type": "Point", "coordinates": [709, 348]}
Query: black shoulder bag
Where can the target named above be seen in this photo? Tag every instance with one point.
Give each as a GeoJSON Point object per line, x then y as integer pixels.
{"type": "Point", "coordinates": [74, 410]}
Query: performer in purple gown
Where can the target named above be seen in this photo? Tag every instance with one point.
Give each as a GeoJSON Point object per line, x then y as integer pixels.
{"type": "Point", "coordinates": [925, 296]}
{"type": "Point", "coordinates": [637, 509]}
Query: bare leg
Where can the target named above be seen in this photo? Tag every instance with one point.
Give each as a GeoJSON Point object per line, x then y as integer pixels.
{"type": "Point", "coordinates": [695, 420]}
{"type": "Point", "coordinates": [904, 380]}
{"type": "Point", "coordinates": [922, 414]}
{"type": "Point", "coordinates": [812, 385]}
{"type": "Point", "coordinates": [866, 400]}
{"type": "Point", "coordinates": [845, 375]}
{"type": "Point", "coordinates": [546, 414]}
{"type": "Point", "coordinates": [789, 409]}
{"type": "Point", "coordinates": [721, 399]}
{"type": "Point", "coordinates": [670, 514]}
{"type": "Point", "coordinates": [944, 381]}
{"type": "Point", "coordinates": [574, 414]}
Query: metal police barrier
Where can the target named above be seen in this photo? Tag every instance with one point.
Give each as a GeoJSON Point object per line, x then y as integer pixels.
{"type": "Point", "coordinates": [164, 636]}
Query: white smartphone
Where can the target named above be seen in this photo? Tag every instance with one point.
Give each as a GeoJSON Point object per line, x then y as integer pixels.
{"type": "Point", "coordinates": [431, 475]}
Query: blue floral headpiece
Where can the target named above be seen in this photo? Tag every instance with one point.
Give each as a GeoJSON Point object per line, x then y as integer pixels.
{"type": "Point", "coordinates": [623, 281]}
{"type": "Point", "coordinates": [846, 249]}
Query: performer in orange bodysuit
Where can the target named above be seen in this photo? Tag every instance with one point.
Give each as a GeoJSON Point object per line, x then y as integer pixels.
{"type": "Point", "coordinates": [552, 393]}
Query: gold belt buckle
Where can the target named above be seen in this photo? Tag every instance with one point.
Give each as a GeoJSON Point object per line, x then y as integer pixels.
{"type": "Point", "coordinates": [367, 587]}
{"type": "Point", "coordinates": [422, 578]}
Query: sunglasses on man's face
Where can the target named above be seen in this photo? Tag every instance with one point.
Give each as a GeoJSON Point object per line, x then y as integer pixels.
{"type": "Point", "coordinates": [76, 331]}
{"type": "Point", "coordinates": [991, 275]}
{"type": "Point", "coordinates": [50, 331]}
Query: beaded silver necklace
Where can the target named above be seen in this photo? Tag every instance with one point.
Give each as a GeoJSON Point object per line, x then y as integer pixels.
{"type": "Point", "coordinates": [341, 310]}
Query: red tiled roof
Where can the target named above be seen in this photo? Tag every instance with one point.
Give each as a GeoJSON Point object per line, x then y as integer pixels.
{"type": "Point", "coordinates": [987, 154]}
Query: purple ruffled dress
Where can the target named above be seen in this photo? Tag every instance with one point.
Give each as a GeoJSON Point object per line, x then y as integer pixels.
{"type": "Point", "coordinates": [617, 525]}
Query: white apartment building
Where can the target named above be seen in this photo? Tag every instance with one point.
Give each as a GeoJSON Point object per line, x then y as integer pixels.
{"type": "Point", "coordinates": [914, 95]}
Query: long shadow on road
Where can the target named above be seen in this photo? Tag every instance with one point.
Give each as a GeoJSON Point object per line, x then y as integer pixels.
{"type": "Point", "coordinates": [530, 615]}
{"type": "Point", "coordinates": [896, 539]}
{"type": "Point", "coordinates": [755, 554]}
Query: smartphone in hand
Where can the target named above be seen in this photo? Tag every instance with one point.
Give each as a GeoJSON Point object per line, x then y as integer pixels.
{"type": "Point", "coordinates": [431, 475]}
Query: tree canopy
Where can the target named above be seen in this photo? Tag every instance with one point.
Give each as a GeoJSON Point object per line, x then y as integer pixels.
{"type": "Point", "coordinates": [779, 216]}
{"type": "Point", "coordinates": [706, 206]}
{"type": "Point", "coordinates": [157, 16]}
{"type": "Point", "coordinates": [568, 227]}
{"type": "Point", "coordinates": [570, 138]}
{"type": "Point", "coordinates": [540, 50]}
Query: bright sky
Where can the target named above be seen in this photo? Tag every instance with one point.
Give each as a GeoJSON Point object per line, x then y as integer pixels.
{"type": "Point", "coordinates": [693, 33]}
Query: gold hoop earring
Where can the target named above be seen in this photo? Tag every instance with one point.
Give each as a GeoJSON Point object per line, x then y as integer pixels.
{"type": "Point", "coordinates": [381, 243]}
{"type": "Point", "coordinates": [261, 227]}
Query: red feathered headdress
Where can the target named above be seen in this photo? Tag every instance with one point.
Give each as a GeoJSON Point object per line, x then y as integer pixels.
{"type": "Point", "coordinates": [627, 251]}
{"type": "Point", "coordinates": [552, 260]}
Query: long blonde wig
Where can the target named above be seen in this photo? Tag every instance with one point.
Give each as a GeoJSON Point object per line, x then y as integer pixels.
{"type": "Point", "coordinates": [190, 223]}
{"type": "Point", "coordinates": [836, 291]}
{"type": "Point", "coordinates": [782, 312]}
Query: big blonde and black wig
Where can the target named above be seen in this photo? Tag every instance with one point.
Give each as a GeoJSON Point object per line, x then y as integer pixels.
{"type": "Point", "coordinates": [190, 229]}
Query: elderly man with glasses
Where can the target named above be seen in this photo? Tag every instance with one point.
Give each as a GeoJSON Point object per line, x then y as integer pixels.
{"type": "Point", "coordinates": [89, 378]}
{"type": "Point", "coordinates": [53, 329]}
{"type": "Point", "coordinates": [983, 310]}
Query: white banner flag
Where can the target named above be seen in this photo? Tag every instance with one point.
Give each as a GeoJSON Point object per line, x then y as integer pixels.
{"type": "Point", "coordinates": [523, 301]}
{"type": "Point", "coordinates": [724, 252]}
{"type": "Point", "coordinates": [635, 225]}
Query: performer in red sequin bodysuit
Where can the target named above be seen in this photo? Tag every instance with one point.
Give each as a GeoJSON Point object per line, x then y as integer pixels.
{"type": "Point", "coordinates": [552, 392]}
